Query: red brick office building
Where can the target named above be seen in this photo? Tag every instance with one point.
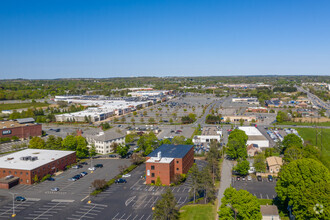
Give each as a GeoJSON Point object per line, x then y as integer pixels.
{"type": "Point", "coordinates": [21, 128]}
{"type": "Point", "coordinates": [26, 164]}
{"type": "Point", "coordinates": [167, 161]}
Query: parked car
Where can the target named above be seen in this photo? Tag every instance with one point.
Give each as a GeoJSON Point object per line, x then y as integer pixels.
{"type": "Point", "coordinates": [78, 176]}
{"type": "Point", "coordinates": [77, 166]}
{"type": "Point", "coordinates": [83, 173]}
{"type": "Point", "coordinates": [127, 175]}
{"type": "Point", "coordinates": [259, 178]}
{"type": "Point", "coordinates": [72, 179]}
{"type": "Point", "coordinates": [91, 168]}
{"type": "Point", "coordinates": [249, 178]}
{"type": "Point", "coordinates": [120, 181]}
{"type": "Point", "coordinates": [55, 189]}
{"type": "Point", "coordinates": [112, 155]}
{"type": "Point", "coordinates": [243, 178]}
{"type": "Point", "coordinates": [84, 163]}
{"type": "Point", "coordinates": [51, 179]}
{"type": "Point", "coordinates": [238, 178]}
{"type": "Point", "coordinates": [20, 198]}
{"type": "Point", "coordinates": [99, 165]}
{"type": "Point", "coordinates": [270, 178]}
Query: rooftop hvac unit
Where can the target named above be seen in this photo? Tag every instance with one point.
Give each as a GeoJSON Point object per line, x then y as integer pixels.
{"type": "Point", "coordinates": [34, 158]}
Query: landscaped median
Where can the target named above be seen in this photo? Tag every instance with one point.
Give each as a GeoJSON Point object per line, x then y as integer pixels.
{"type": "Point", "coordinates": [112, 181]}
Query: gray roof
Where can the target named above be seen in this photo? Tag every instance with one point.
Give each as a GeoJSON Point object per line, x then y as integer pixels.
{"type": "Point", "coordinates": [268, 210]}
{"type": "Point", "coordinates": [108, 135]}
{"type": "Point", "coordinates": [173, 151]}
{"type": "Point", "coordinates": [25, 120]}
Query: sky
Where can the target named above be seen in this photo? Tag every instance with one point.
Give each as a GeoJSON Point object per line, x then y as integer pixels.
{"type": "Point", "coordinates": [48, 39]}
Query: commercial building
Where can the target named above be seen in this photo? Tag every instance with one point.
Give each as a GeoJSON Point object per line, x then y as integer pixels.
{"type": "Point", "coordinates": [238, 118]}
{"type": "Point", "coordinates": [167, 162]}
{"type": "Point", "coordinates": [21, 128]}
{"type": "Point", "coordinates": [103, 140]}
{"type": "Point", "coordinates": [150, 93]}
{"type": "Point", "coordinates": [273, 103]}
{"type": "Point", "coordinates": [257, 109]}
{"type": "Point", "coordinates": [27, 164]}
{"type": "Point", "coordinates": [208, 134]}
{"type": "Point", "coordinates": [255, 136]}
{"type": "Point", "coordinates": [246, 100]}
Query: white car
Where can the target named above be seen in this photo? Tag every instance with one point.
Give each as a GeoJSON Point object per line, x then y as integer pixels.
{"type": "Point", "coordinates": [126, 175]}
{"type": "Point", "coordinates": [55, 189]}
{"type": "Point", "coordinates": [91, 168]}
{"type": "Point", "coordinates": [249, 178]}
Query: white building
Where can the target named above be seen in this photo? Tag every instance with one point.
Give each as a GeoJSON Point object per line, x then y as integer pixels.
{"type": "Point", "coordinates": [208, 134]}
{"type": "Point", "coordinates": [255, 136]}
{"type": "Point", "coordinates": [247, 100]}
{"type": "Point", "coordinates": [149, 93]}
{"type": "Point", "coordinates": [103, 140]}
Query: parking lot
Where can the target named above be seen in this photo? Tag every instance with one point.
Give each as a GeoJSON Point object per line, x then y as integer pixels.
{"type": "Point", "coordinates": [70, 190]}
{"type": "Point", "coordinates": [261, 189]}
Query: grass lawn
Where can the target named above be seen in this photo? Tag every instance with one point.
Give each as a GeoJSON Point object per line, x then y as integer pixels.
{"type": "Point", "coordinates": [305, 123]}
{"type": "Point", "coordinates": [265, 201]}
{"type": "Point", "coordinates": [309, 134]}
{"type": "Point", "coordinates": [198, 212]}
{"type": "Point", "coordinates": [11, 106]}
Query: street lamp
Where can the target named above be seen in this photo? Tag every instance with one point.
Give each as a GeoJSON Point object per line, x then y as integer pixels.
{"type": "Point", "coordinates": [13, 194]}
{"type": "Point", "coordinates": [89, 194]}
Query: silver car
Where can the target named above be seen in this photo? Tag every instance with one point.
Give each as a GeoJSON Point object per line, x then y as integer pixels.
{"type": "Point", "coordinates": [249, 178]}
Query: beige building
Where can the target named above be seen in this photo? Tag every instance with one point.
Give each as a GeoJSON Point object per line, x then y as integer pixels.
{"type": "Point", "coordinates": [237, 118]}
{"type": "Point", "coordinates": [269, 212]}
{"type": "Point", "coordinates": [274, 164]}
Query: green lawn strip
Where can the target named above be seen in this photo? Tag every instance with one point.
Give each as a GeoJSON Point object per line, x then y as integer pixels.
{"type": "Point", "coordinates": [198, 212]}
{"type": "Point", "coordinates": [11, 106]}
{"type": "Point", "coordinates": [265, 201]}
{"type": "Point", "coordinates": [309, 135]}
{"type": "Point", "coordinates": [305, 123]}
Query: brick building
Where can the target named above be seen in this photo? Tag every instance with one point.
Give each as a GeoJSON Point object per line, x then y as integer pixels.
{"type": "Point", "coordinates": [21, 128]}
{"type": "Point", "coordinates": [27, 163]}
{"type": "Point", "coordinates": [167, 161]}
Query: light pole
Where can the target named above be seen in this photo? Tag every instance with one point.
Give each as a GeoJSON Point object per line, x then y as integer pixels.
{"type": "Point", "coordinates": [13, 194]}
{"type": "Point", "coordinates": [89, 194]}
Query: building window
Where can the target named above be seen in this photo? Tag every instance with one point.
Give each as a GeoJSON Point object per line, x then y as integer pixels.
{"type": "Point", "coordinates": [4, 171]}
{"type": "Point", "coordinates": [177, 161]}
{"type": "Point", "coordinates": [177, 168]}
{"type": "Point", "coordinates": [15, 173]}
{"type": "Point", "coordinates": [21, 180]}
{"type": "Point", "coordinates": [27, 173]}
{"type": "Point", "coordinates": [21, 173]}
{"type": "Point", "coordinates": [152, 167]}
{"type": "Point", "coordinates": [152, 174]}
{"type": "Point", "coordinates": [153, 181]}
{"type": "Point", "coordinates": [9, 172]}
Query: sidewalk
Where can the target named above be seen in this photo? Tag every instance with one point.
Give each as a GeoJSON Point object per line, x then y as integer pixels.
{"type": "Point", "coordinates": [225, 179]}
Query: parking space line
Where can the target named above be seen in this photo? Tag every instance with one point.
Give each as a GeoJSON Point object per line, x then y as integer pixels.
{"type": "Point", "coordinates": [148, 217]}
{"type": "Point", "coordinates": [152, 205]}
{"type": "Point", "coordinates": [129, 216]}
{"type": "Point", "coordinates": [135, 217]}
{"type": "Point", "coordinates": [147, 202]}
{"type": "Point", "coordinates": [142, 217]}
{"type": "Point", "coordinates": [122, 216]}
{"type": "Point", "coordinates": [115, 216]}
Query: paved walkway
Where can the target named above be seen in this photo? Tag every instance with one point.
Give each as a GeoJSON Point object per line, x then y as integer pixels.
{"type": "Point", "coordinates": [225, 179]}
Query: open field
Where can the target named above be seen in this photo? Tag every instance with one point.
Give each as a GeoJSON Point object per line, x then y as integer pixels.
{"type": "Point", "coordinates": [309, 134]}
{"type": "Point", "coordinates": [198, 212]}
{"type": "Point", "coordinates": [12, 106]}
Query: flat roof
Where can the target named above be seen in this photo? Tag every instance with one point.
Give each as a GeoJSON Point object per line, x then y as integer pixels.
{"type": "Point", "coordinates": [250, 130]}
{"type": "Point", "coordinates": [171, 150]}
{"type": "Point", "coordinates": [13, 161]}
{"type": "Point", "coordinates": [210, 131]}
{"type": "Point", "coordinates": [13, 124]}
{"type": "Point", "coordinates": [257, 138]}
{"type": "Point", "coordinates": [162, 160]}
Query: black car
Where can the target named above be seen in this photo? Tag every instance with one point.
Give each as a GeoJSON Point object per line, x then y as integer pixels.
{"type": "Point", "coordinates": [120, 181]}
{"type": "Point", "coordinates": [78, 176]}
{"type": "Point", "coordinates": [51, 179]}
{"type": "Point", "coordinates": [84, 163]}
{"type": "Point", "coordinates": [99, 165]}
{"type": "Point", "coordinates": [259, 178]}
{"type": "Point", "coordinates": [112, 155]}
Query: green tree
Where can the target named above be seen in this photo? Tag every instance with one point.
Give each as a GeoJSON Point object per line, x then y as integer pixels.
{"type": "Point", "coordinates": [151, 120]}
{"type": "Point", "coordinates": [241, 122]}
{"type": "Point", "coordinates": [177, 140]}
{"type": "Point", "coordinates": [281, 117]}
{"type": "Point", "coordinates": [35, 179]}
{"type": "Point", "coordinates": [293, 153]}
{"type": "Point", "coordinates": [195, 183]}
{"type": "Point", "coordinates": [81, 149]}
{"type": "Point", "coordinates": [37, 143]}
{"type": "Point", "coordinates": [242, 167]}
{"type": "Point", "coordinates": [58, 143]}
{"type": "Point", "coordinates": [291, 140]}
{"type": "Point", "coordinates": [92, 150]}
{"type": "Point", "coordinates": [122, 150]}
{"type": "Point", "coordinates": [303, 184]}
{"type": "Point", "coordinates": [130, 138]}
{"type": "Point", "coordinates": [207, 185]}
{"type": "Point", "coordinates": [69, 143]}
{"type": "Point", "coordinates": [51, 142]}
{"type": "Point", "coordinates": [166, 207]}
{"type": "Point", "coordinates": [259, 163]}
{"type": "Point", "coordinates": [239, 205]}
